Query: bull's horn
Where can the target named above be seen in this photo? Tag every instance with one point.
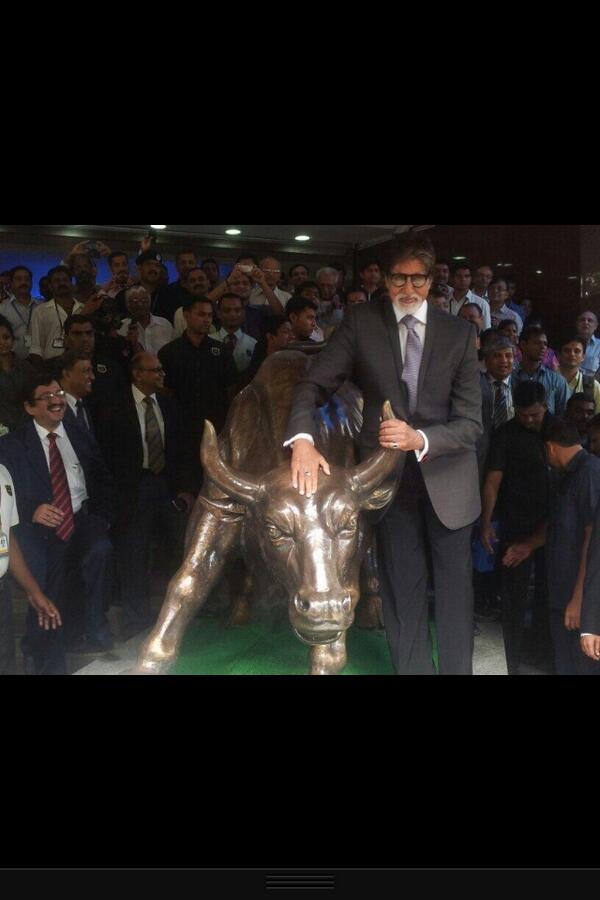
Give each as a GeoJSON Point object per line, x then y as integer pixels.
{"type": "Point", "coordinates": [374, 471]}
{"type": "Point", "coordinates": [236, 485]}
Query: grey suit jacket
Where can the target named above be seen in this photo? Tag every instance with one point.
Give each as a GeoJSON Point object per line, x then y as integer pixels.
{"type": "Point", "coordinates": [366, 350]}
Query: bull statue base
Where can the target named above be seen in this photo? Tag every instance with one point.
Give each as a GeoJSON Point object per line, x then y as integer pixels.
{"type": "Point", "coordinates": [312, 546]}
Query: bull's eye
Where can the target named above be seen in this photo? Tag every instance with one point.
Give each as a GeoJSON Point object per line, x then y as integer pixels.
{"type": "Point", "coordinates": [275, 533]}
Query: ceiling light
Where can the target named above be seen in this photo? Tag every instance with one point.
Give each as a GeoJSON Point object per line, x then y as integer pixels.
{"type": "Point", "coordinates": [158, 227]}
{"type": "Point", "coordinates": [459, 257]}
{"type": "Point", "coordinates": [538, 272]}
{"type": "Point", "coordinates": [302, 237]}
{"type": "Point", "coordinates": [233, 231]}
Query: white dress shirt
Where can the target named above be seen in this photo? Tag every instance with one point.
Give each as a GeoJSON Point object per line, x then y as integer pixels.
{"type": "Point", "coordinates": [259, 298]}
{"type": "Point", "coordinates": [470, 297]}
{"type": "Point", "coordinates": [505, 313]}
{"type": "Point", "coordinates": [242, 354]}
{"type": "Point", "coordinates": [141, 406]}
{"type": "Point", "coordinates": [19, 317]}
{"type": "Point", "coordinates": [73, 468]}
{"type": "Point", "coordinates": [154, 337]}
{"type": "Point", "coordinates": [47, 329]}
{"type": "Point", "coordinates": [9, 517]}
{"type": "Point", "coordinates": [507, 390]}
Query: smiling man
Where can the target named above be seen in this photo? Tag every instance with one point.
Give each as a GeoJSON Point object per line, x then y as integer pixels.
{"type": "Point", "coordinates": [424, 362]}
{"type": "Point", "coordinates": [64, 498]}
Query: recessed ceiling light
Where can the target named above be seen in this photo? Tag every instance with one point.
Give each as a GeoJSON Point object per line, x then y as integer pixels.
{"type": "Point", "coordinates": [573, 277]}
{"type": "Point", "coordinates": [233, 231]}
{"type": "Point", "coordinates": [459, 257]}
{"type": "Point", "coordinates": [538, 272]}
{"type": "Point", "coordinates": [158, 227]}
{"type": "Point", "coordinates": [303, 237]}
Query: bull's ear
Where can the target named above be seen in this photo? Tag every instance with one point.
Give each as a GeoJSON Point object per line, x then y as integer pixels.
{"type": "Point", "coordinates": [227, 511]}
{"type": "Point", "coordinates": [380, 497]}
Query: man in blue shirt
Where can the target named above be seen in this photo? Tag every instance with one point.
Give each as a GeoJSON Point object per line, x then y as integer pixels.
{"type": "Point", "coordinates": [587, 323]}
{"type": "Point", "coordinates": [534, 344]}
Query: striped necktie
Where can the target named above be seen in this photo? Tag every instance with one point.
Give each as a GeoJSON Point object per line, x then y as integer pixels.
{"type": "Point", "coordinates": [500, 406]}
{"type": "Point", "coordinates": [412, 362]}
{"type": "Point", "coordinates": [61, 492]}
{"type": "Point", "coordinates": [156, 450]}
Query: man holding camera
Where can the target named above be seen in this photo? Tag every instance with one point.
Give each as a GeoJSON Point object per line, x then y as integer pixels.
{"type": "Point", "coordinates": [140, 438]}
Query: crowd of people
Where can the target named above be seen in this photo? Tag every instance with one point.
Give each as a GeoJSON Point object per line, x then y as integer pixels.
{"type": "Point", "coordinates": [104, 390]}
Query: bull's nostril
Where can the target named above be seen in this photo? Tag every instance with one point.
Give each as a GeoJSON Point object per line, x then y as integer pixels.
{"type": "Point", "coordinates": [301, 605]}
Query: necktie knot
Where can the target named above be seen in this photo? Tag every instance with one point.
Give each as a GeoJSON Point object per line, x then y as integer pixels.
{"type": "Point", "coordinates": [410, 322]}
{"type": "Point", "coordinates": [52, 437]}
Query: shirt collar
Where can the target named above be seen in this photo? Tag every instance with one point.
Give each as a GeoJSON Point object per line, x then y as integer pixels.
{"type": "Point", "coordinates": [576, 461]}
{"type": "Point", "coordinates": [138, 396]}
{"type": "Point", "coordinates": [72, 401]}
{"type": "Point", "coordinates": [43, 432]}
{"type": "Point", "coordinates": [419, 314]}
{"type": "Point", "coordinates": [239, 334]}
{"type": "Point", "coordinates": [16, 305]}
{"type": "Point", "coordinates": [492, 380]}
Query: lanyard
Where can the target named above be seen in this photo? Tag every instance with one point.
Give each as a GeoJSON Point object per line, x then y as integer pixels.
{"type": "Point", "coordinates": [60, 321]}
{"type": "Point", "coordinates": [27, 324]}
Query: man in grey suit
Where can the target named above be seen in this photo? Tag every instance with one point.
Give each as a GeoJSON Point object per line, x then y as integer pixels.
{"type": "Point", "coordinates": [397, 348]}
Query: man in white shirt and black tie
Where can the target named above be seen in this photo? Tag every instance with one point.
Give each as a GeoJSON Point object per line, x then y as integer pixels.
{"type": "Point", "coordinates": [140, 436]}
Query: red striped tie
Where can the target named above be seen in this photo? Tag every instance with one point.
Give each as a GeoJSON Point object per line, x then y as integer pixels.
{"type": "Point", "coordinates": [61, 493]}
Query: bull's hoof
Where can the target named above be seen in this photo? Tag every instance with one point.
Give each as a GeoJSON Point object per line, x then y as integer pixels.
{"type": "Point", "coordinates": [369, 613]}
{"type": "Point", "coordinates": [240, 614]}
{"type": "Point", "coordinates": [146, 670]}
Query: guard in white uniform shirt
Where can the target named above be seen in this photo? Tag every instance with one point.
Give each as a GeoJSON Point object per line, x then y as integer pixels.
{"type": "Point", "coordinates": [11, 557]}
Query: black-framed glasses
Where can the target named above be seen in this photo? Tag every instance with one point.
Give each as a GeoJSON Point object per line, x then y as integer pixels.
{"type": "Point", "coordinates": [398, 279]}
{"type": "Point", "coordinates": [50, 396]}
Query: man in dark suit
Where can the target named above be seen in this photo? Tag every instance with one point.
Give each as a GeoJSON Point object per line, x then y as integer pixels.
{"type": "Point", "coordinates": [76, 377]}
{"type": "Point", "coordinates": [64, 497]}
{"type": "Point", "coordinates": [497, 407]}
{"type": "Point", "coordinates": [140, 435]}
{"type": "Point", "coordinates": [590, 610]}
{"type": "Point", "coordinates": [425, 362]}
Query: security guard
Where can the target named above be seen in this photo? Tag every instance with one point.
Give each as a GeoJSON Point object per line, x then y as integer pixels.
{"type": "Point", "coordinates": [11, 560]}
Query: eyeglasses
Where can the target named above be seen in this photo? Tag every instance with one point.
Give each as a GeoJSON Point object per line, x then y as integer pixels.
{"type": "Point", "coordinates": [50, 396]}
{"type": "Point", "coordinates": [398, 279]}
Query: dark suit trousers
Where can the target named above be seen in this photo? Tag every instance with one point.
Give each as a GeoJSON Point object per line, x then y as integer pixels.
{"type": "Point", "coordinates": [149, 513]}
{"type": "Point", "coordinates": [569, 658]}
{"type": "Point", "coordinates": [514, 591]}
{"type": "Point", "coordinates": [409, 530]}
{"type": "Point", "coordinates": [87, 556]}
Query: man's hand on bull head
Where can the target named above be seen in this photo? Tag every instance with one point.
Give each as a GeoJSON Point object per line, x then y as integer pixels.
{"type": "Point", "coordinates": [306, 462]}
{"type": "Point", "coordinates": [394, 434]}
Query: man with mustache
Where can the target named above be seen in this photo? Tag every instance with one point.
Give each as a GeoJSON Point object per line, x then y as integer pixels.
{"type": "Point", "coordinates": [64, 499]}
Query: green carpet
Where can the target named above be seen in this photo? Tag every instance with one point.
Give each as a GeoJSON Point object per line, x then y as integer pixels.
{"type": "Point", "coordinates": [269, 648]}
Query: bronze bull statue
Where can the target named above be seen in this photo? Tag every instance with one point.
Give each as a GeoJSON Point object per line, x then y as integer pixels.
{"type": "Point", "coordinates": [312, 546]}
